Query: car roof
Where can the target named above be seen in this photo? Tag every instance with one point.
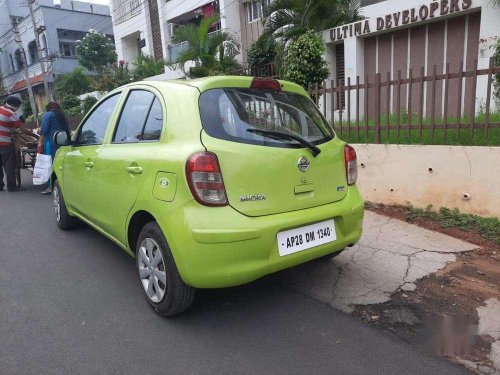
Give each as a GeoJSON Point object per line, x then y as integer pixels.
{"type": "Point", "coordinates": [207, 83]}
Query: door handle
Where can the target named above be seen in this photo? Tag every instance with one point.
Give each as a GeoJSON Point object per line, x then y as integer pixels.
{"type": "Point", "coordinates": [134, 170]}
{"type": "Point", "coordinates": [89, 164]}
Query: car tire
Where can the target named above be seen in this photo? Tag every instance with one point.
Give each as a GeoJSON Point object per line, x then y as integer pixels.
{"type": "Point", "coordinates": [160, 280]}
{"type": "Point", "coordinates": [63, 219]}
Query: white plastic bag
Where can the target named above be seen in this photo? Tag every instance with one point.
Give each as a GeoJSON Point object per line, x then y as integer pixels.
{"type": "Point", "coordinates": [42, 170]}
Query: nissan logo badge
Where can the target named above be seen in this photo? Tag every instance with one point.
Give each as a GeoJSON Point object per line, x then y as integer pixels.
{"type": "Point", "coordinates": [303, 164]}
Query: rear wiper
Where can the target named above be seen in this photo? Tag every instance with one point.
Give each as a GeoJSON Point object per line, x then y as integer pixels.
{"type": "Point", "coordinates": [272, 134]}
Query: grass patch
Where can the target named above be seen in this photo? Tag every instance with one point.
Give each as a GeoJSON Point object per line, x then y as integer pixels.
{"type": "Point", "coordinates": [450, 137]}
{"type": "Point", "coordinates": [488, 228]}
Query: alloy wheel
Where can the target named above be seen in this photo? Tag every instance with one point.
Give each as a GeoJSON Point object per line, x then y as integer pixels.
{"type": "Point", "coordinates": [152, 269]}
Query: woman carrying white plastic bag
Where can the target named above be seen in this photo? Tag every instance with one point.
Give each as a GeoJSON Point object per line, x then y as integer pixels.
{"type": "Point", "coordinates": [53, 120]}
{"type": "Point", "coordinates": [42, 170]}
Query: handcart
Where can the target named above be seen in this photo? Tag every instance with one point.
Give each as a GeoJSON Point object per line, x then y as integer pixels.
{"type": "Point", "coordinates": [25, 143]}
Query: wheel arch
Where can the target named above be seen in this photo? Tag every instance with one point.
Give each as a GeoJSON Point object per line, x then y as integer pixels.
{"type": "Point", "coordinates": [53, 178]}
{"type": "Point", "coordinates": [137, 221]}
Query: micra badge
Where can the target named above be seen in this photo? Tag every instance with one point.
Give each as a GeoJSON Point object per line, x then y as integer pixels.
{"type": "Point", "coordinates": [254, 197]}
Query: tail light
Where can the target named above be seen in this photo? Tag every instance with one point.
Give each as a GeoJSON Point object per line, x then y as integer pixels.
{"type": "Point", "coordinates": [351, 165]}
{"type": "Point", "coordinates": [205, 179]}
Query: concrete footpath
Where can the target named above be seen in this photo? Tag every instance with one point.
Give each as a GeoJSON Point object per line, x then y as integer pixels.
{"type": "Point", "coordinates": [391, 257]}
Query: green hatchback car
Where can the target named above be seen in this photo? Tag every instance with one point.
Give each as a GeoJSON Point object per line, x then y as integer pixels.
{"type": "Point", "coordinates": [209, 183]}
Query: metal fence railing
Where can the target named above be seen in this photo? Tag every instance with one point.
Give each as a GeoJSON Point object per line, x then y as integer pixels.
{"type": "Point", "coordinates": [264, 70]}
{"type": "Point", "coordinates": [416, 106]}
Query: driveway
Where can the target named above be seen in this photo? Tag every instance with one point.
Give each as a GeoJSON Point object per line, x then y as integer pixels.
{"type": "Point", "coordinates": [70, 302]}
{"type": "Point", "coordinates": [391, 255]}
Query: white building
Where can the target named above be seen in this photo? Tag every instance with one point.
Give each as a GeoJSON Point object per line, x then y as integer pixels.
{"type": "Point", "coordinates": [58, 25]}
{"type": "Point", "coordinates": [414, 36]}
{"type": "Point", "coordinates": [136, 28]}
{"type": "Point", "coordinates": [143, 27]}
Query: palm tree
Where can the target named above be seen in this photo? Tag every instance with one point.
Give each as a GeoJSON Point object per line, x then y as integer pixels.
{"type": "Point", "coordinates": [291, 18]}
{"type": "Point", "coordinates": [73, 83]}
{"type": "Point", "coordinates": [212, 53]}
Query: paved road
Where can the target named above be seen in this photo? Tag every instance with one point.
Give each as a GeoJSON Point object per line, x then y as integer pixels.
{"type": "Point", "coordinates": [70, 303]}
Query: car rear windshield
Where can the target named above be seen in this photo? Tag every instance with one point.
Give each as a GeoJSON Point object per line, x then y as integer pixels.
{"type": "Point", "coordinates": [231, 114]}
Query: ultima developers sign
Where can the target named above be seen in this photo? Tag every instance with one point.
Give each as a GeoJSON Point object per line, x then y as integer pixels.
{"type": "Point", "coordinates": [403, 17]}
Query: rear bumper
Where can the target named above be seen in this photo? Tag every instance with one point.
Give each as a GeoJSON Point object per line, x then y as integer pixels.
{"type": "Point", "coordinates": [246, 249]}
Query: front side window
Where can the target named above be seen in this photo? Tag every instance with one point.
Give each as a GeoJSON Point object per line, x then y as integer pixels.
{"type": "Point", "coordinates": [94, 128]}
{"type": "Point", "coordinates": [141, 118]}
{"type": "Point", "coordinates": [154, 123]}
{"type": "Point", "coordinates": [239, 114]}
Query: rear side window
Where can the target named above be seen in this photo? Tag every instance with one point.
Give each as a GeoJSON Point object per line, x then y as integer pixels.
{"type": "Point", "coordinates": [141, 118]}
{"type": "Point", "coordinates": [229, 113]}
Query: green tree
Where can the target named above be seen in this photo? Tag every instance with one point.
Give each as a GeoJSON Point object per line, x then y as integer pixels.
{"type": "Point", "coordinates": [304, 62]}
{"type": "Point", "coordinates": [147, 66]}
{"type": "Point", "coordinates": [291, 18]}
{"type": "Point", "coordinates": [73, 83]}
{"type": "Point", "coordinates": [96, 51]}
{"type": "Point", "coordinates": [212, 53]}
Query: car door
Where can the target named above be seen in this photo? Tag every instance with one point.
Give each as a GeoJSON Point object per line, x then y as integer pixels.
{"type": "Point", "coordinates": [123, 163]}
{"type": "Point", "coordinates": [79, 162]}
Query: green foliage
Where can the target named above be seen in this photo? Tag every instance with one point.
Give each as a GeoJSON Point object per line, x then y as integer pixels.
{"type": "Point", "coordinates": [26, 106]}
{"type": "Point", "coordinates": [488, 227]}
{"type": "Point", "coordinates": [290, 19]}
{"type": "Point", "coordinates": [71, 105]}
{"type": "Point", "coordinates": [115, 76]}
{"type": "Point", "coordinates": [304, 62]}
{"type": "Point", "coordinates": [263, 50]}
{"type": "Point", "coordinates": [88, 103]}
{"type": "Point", "coordinates": [212, 53]}
{"type": "Point", "coordinates": [73, 83]}
{"type": "Point", "coordinates": [496, 84]}
{"type": "Point", "coordinates": [389, 134]}
{"type": "Point", "coordinates": [147, 66]}
{"type": "Point", "coordinates": [96, 51]}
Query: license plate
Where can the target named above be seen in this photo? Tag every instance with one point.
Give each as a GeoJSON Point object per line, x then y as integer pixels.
{"type": "Point", "coordinates": [294, 240]}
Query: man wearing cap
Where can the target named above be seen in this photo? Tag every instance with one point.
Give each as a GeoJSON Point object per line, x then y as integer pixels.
{"type": "Point", "coordinates": [9, 120]}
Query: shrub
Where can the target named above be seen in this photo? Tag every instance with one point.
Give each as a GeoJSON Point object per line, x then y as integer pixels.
{"type": "Point", "coordinates": [115, 76]}
{"type": "Point", "coordinates": [304, 62]}
{"type": "Point", "coordinates": [71, 105]}
{"type": "Point", "coordinates": [496, 83]}
{"type": "Point", "coordinates": [88, 103]}
{"type": "Point", "coordinates": [147, 66]}
{"type": "Point", "coordinates": [263, 51]}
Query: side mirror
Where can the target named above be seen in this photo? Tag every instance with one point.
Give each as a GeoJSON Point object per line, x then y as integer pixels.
{"type": "Point", "coordinates": [61, 138]}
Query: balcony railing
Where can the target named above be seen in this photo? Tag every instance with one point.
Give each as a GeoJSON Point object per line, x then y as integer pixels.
{"type": "Point", "coordinates": [175, 50]}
